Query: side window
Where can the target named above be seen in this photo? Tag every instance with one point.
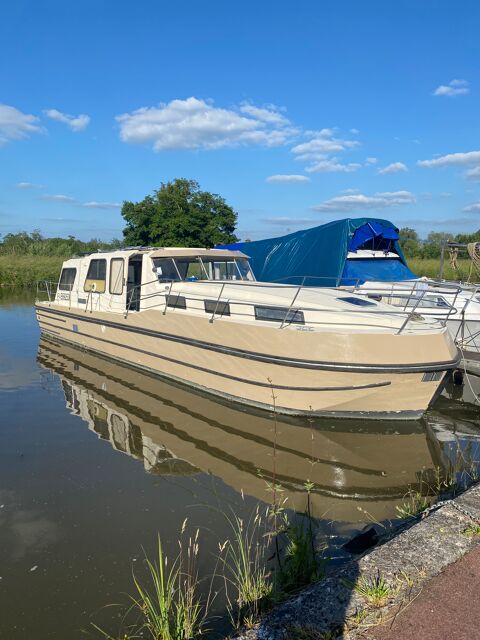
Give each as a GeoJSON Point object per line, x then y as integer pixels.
{"type": "Point", "coordinates": [67, 279]}
{"type": "Point", "coordinates": [116, 276]}
{"type": "Point", "coordinates": [279, 314]}
{"type": "Point", "coordinates": [177, 302]}
{"type": "Point", "coordinates": [95, 280]}
{"type": "Point", "coordinates": [220, 308]}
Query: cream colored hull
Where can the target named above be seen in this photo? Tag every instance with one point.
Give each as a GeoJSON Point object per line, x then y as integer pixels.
{"type": "Point", "coordinates": [320, 372]}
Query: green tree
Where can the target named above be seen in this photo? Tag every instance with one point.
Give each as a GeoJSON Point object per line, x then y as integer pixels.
{"type": "Point", "coordinates": [434, 243]}
{"type": "Point", "coordinates": [410, 242]}
{"type": "Point", "coordinates": [179, 215]}
{"type": "Point", "coordinates": [465, 238]}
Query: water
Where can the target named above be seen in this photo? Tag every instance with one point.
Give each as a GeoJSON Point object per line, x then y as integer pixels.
{"type": "Point", "coordinates": [96, 459]}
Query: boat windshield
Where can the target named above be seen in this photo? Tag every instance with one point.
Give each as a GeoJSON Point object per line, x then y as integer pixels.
{"type": "Point", "coordinates": [202, 268]}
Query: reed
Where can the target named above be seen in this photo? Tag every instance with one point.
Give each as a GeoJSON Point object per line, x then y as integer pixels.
{"type": "Point", "coordinates": [25, 271]}
{"type": "Point", "coordinates": [430, 267]}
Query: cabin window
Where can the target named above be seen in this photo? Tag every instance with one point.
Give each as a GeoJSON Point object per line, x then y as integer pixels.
{"type": "Point", "coordinates": [165, 270]}
{"type": "Point", "coordinates": [279, 314]}
{"type": "Point", "coordinates": [116, 276]}
{"type": "Point", "coordinates": [191, 269]}
{"type": "Point", "coordinates": [218, 307]}
{"type": "Point", "coordinates": [67, 279]}
{"type": "Point", "coordinates": [96, 276]}
{"type": "Point", "coordinates": [176, 302]}
{"type": "Point", "coordinates": [359, 302]}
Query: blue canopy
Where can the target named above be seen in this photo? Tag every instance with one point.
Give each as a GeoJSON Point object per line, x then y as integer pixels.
{"type": "Point", "coordinates": [322, 252]}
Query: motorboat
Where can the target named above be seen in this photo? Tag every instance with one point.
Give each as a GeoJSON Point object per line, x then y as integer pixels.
{"type": "Point", "coordinates": [198, 316]}
{"type": "Point", "coordinates": [364, 255]}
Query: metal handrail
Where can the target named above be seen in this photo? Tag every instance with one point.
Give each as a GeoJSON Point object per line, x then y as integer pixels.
{"type": "Point", "coordinates": [461, 327]}
{"type": "Point", "coordinates": [408, 318]}
{"type": "Point", "coordinates": [297, 288]}
{"type": "Point", "coordinates": [383, 312]}
{"type": "Point", "coordinates": [216, 304]}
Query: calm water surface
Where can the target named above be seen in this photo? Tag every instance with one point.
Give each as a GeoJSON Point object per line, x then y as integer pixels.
{"type": "Point", "coordinates": [96, 459]}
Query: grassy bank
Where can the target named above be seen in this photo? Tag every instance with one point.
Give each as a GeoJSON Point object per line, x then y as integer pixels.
{"type": "Point", "coordinates": [430, 267]}
{"type": "Point", "coordinates": [24, 271]}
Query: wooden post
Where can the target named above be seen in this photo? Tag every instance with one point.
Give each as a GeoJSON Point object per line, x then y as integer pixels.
{"type": "Point", "coordinates": [442, 260]}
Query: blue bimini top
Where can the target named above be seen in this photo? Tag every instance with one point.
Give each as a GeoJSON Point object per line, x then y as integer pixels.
{"type": "Point", "coordinates": [320, 254]}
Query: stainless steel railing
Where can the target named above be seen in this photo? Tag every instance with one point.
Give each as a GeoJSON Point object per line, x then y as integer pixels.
{"type": "Point", "coordinates": [296, 290]}
{"type": "Point", "coordinates": [288, 308]}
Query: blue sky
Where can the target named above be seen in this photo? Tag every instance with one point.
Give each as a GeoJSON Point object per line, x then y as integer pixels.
{"type": "Point", "coordinates": [296, 113]}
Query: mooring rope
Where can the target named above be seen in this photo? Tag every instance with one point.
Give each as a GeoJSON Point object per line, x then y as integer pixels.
{"type": "Point", "coordinates": [473, 249]}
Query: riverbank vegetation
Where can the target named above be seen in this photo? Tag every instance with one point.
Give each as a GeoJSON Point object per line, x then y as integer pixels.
{"type": "Point", "coordinates": [26, 258]}
{"type": "Point", "coordinates": [24, 270]}
{"type": "Point", "coordinates": [257, 566]}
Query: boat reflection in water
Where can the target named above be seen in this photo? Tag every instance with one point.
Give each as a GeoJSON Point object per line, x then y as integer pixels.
{"type": "Point", "coordinates": [361, 470]}
{"type": "Point", "coordinates": [453, 427]}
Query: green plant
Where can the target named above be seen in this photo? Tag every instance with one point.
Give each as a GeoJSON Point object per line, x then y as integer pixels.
{"type": "Point", "coordinates": [376, 591]}
{"type": "Point", "coordinates": [169, 607]}
{"type": "Point", "coordinates": [244, 559]}
{"type": "Point", "coordinates": [472, 530]}
{"type": "Point", "coordinates": [302, 564]}
{"type": "Point", "coordinates": [405, 578]}
{"type": "Point", "coordinates": [445, 481]}
{"type": "Point", "coordinates": [357, 618]}
{"type": "Point", "coordinates": [414, 504]}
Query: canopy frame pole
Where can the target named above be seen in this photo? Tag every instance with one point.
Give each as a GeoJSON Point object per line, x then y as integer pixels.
{"type": "Point", "coordinates": [292, 303]}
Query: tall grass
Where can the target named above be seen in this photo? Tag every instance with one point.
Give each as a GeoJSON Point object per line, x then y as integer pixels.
{"type": "Point", "coordinates": [25, 271]}
{"type": "Point", "coordinates": [168, 606]}
{"type": "Point", "coordinates": [244, 558]}
{"type": "Point", "coordinates": [430, 267]}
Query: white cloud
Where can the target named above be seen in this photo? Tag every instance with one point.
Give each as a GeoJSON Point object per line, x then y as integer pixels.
{"type": "Point", "coordinates": [371, 160]}
{"type": "Point", "coordinates": [322, 144]}
{"type": "Point", "coordinates": [473, 174]}
{"type": "Point", "coordinates": [76, 123]}
{"type": "Point", "coordinates": [196, 124]}
{"type": "Point", "coordinates": [319, 150]}
{"type": "Point", "coordinates": [93, 204]}
{"type": "Point", "coordinates": [332, 165]}
{"type": "Point", "coordinates": [292, 222]}
{"type": "Point", "coordinates": [28, 185]}
{"type": "Point", "coordinates": [361, 201]}
{"type": "Point", "coordinates": [15, 125]}
{"type": "Point", "coordinates": [394, 167]}
{"type": "Point", "coordinates": [354, 132]}
{"type": "Point", "coordinates": [287, 178]}
{"type": "Point", "coordinates": [453, 88]}
{"type": "Point", "coordinates": [452, 159]}
{"type": "Point", "coordinates": [473, 208]}
{"type": "Point", "coordinates": [269, 113]}
{"type": "Point", "coordinates": [57, 198]}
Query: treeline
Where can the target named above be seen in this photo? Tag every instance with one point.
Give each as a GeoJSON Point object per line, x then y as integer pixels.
{"type": "Point", "coordinates": [414, 247]}
{"type": "Point", "coordinates": [34, 244]}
